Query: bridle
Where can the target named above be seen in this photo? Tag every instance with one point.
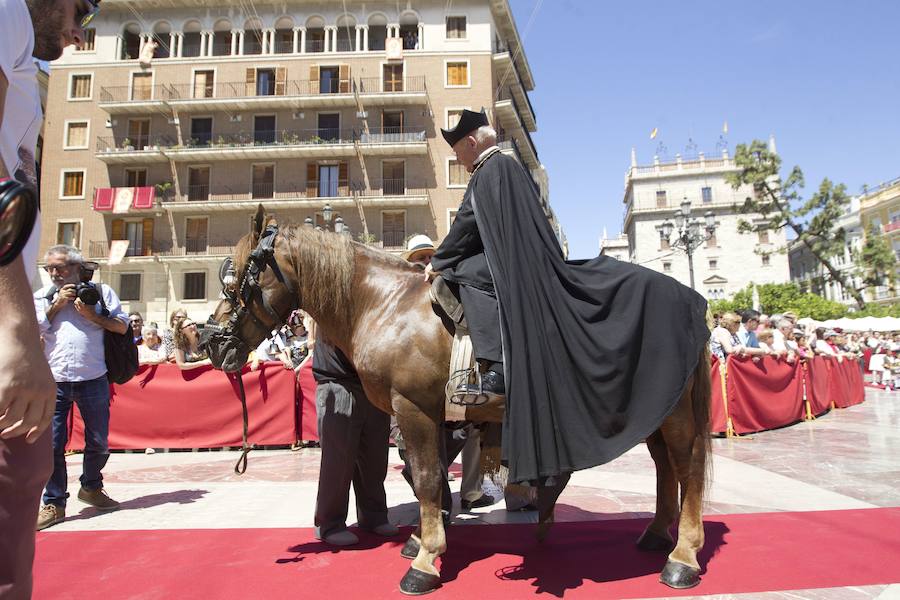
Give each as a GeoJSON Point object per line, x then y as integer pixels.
{"type": "Point", "coordinates": [249, 291]}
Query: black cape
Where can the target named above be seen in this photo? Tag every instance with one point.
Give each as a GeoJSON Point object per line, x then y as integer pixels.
{"type": "Point", "coordinates": [596, 352]}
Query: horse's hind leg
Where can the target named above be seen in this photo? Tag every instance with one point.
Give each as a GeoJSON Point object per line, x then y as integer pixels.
{"type": "Point", "coordinates": [422, 435]}
{"type": "Point", "coordinates": [656, 538]}
{"type": "Point", "coordinates": [547, 495]}
{"type": "Point", "coordinates": [687, 450]}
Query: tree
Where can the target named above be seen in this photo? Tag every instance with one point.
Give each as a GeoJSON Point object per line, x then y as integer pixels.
{"type": "Point", "coordinates": [876, 261]}
{"type": "Point", "coordinates": [780, 204]}
{"type": "Point", "coordinates": [775, 298]}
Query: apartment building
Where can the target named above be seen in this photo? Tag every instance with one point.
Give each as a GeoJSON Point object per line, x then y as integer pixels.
{"type": "Point", "coordinates": [725, 263]}
{"type": "Point", "coordinates": [879, 212]}
{"type": "Point", "coordinates": [174, 121]}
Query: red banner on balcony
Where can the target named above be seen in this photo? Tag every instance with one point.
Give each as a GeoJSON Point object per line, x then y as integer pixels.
{"type": "Point", "coordinates": [104, 198]}
{"type": "Point", "coordinates": [143, 198]}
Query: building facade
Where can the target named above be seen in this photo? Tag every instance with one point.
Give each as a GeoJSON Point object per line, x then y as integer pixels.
{"type": "Point", "coordinates": [616, 247]}
{"type": "Point", "coordinates": [879, 210]}
{"type": "Point", "coordinates": [173, 123]}
{"type": "Point", "coordinates": [729, 260]}
{"type": "Point", "coordinates": [808, 272]}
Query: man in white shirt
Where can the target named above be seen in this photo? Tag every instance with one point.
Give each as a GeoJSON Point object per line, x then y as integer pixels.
{"type": "Point", "coordinates": [39, 29]}
{"type": "Point", "coordinates": [783, 342]}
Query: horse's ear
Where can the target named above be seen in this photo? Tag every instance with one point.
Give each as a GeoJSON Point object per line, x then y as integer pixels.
{"type": "Point", "coordinates": [257, 224]}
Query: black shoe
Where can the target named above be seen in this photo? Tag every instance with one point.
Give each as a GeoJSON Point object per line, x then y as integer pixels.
{"type": "Point", "coordinates": [492, 384]}
{"type": "Point", "coordinates": [485, 500]}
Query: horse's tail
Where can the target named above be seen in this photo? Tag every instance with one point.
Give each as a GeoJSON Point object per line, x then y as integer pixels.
{"type": "Point", "coordinates": [701, 399]}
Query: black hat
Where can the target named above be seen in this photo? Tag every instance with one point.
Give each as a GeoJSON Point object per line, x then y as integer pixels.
{"type": "Point", "coordinates": [469, 121]}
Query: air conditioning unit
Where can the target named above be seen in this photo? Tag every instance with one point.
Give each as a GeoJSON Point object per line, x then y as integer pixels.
{"type": "Point", "coordinates": [236, 118]}
{"type": "Point", "coordinates": [298, 115]}
{"type": "Point", "coordinates": [362, 114]}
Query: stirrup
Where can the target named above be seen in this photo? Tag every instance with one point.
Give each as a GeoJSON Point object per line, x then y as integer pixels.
{"type": "Point", "coordinates": [460, 378]}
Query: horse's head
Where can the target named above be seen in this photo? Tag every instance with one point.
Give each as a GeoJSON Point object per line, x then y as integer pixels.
{"type": "Point", "coordinates": [259, 293]}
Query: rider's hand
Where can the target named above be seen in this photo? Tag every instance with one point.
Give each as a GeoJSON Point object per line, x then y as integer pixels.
{"type": "Point", "coordinates": [430, 273]}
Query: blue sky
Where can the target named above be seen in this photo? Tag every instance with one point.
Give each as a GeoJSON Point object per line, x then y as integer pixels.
{"type": "Point", "coordinates": [823, 76]}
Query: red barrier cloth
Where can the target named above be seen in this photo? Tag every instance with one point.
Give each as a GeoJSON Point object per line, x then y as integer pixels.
{"type": "Point", "coordinates": [817, 387]}
{"type": "Point", "coordinates": [165, 407]}
{"type": "Point", "coordinates": [852, 384]}
{"type": "Point", "coordinates": [838, 383]}
{"type": "Point", "coordinates": [306, 398]}
{"type": "Point", "coordinates": [718, 418]}
{"type": "Point", "coordinates": [764, 394]}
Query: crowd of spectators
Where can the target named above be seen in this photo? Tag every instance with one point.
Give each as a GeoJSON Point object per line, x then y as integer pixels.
{"type": "Point", "coordinates": [782, 336]}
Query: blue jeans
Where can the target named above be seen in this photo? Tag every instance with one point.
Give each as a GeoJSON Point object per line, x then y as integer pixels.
{"type": "Point", "coordinates": [92, 398]}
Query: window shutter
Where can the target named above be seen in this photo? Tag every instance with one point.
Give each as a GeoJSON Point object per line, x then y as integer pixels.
{"type": "Point", "coordinates": [118, 229]}
{"type": "Point", "coordinates": [314, 79]}
{"type": "Point", "coordinates": [251, 82]}
{"type": "Point", "coordinates": [280, 79]}
{"type": "Point", "coordinates": [343, 179]}
{"type": "Point", "coordinates": [148, 237]}
{"type": "Point", "coordinates": [312, 177]}
{"type": "Point", "coordinates": [344, 76]}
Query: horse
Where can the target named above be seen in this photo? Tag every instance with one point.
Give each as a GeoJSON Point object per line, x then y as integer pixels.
{"type": "Point", "coordinates": [376, 308]}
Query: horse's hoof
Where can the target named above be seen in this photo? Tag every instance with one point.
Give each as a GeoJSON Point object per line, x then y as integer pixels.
{"type": "Point", "coordinates": [416, 582]}
{"type": "Point", "coordinates": [410, 549]}
{"type": "Point", "coordinates": [653, 542]}
{"type": "Point", "coordinates": [679, 575]}
{"type": "Point", "coordinates": [543, 528]}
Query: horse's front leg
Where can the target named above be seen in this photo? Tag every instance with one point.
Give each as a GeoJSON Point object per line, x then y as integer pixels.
{"type": "Point", "coordinates": [421, 433]}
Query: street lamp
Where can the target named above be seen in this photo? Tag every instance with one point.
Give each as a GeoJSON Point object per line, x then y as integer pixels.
{"type": "Point", "coordinates": [689, 235]}
{"type": "Point", "coordinates": [308, 222]}
{"type": "Point", "coordinates": [339, 225]}
{"type": "Point", "coordinates": [327, 213]}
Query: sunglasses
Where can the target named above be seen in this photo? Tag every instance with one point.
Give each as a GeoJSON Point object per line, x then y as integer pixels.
{"type": "Point", "coordinates": [89, 15]}
{"type": "Point", "coordinates": [186, 325]}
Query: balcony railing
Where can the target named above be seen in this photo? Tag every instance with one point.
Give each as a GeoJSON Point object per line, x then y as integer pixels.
{"type": "Point", "coordinates": [100, 248]}
{"type": "Point", "coordinates": [127, 93]}
{"type": "Point", "coordinates": [378, 85]}
{"type": "Point", "coordinates": [889, 227]}
{"type": "Point", "coordinates": [126, 144]}
{"type": "Point", "coordinates": [392, 135]}
{"type": "Point", "coordinates": [198, 192]}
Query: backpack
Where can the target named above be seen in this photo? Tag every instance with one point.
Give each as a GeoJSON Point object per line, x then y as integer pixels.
{"type": "Point", "coordinates": [119, 350]}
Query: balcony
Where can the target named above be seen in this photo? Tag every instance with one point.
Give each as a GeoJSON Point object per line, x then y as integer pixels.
{"type": "Point", "coordinates": [509, 73]}
{"type": "Point", "coordinates": [99, 249]}
{"type": "Point", "coordinates": [166, 249]}
{"type": "Point", "coordinates": [510, 119]}
{"type": "Point", "coordinates": [240, 95]}
{"type": "Point", "coordinates": [508, 145]}
{"type": "Point", "coordinates": [377, 91]}
{"type": "Point", "coordinates": [143, 149]}
{"type": "Point", "coordinates": [126, 99]}
{"type": "Point", "coordinates": [394, 193]}
{"type": "Point", "coordinates": [393, 141]}
{"type": "Point", "coordinates": [891, 227]}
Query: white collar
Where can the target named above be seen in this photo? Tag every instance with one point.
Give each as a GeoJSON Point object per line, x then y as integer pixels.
{"type": "Point", "coordinates": [485, 154]}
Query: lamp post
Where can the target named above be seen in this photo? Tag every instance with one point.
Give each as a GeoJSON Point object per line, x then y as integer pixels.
{"type": "Point", "coordinates": [689, 232]}
{"type": "Point", "coordinates": [336, 225]}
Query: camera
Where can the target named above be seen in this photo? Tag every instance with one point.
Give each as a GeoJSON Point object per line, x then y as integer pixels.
{"type": "Point", "coordinates": [86, 291]}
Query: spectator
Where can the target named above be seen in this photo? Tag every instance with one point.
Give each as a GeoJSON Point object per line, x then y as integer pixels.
{"type": "Point", "coordinates": [802, 347]}
{"type": "Point", "coordinates": [152, 351]}
{"type": "Point", "coordinates": [73, 332]}
{"type": "Point", "coordinates": [783, 342]}
{"type": "Point", "coordinates": [273, 348]}
{"type": "Point", "coordinates": [823, 346]}
{"type": "Point", "coordinates": [764, 323]}
{"type": "Point", "coordinates": [168, 336]}
{"type": "Point", "coordinates": [765, 339]}
{"type": "Point", "coordinates": [724, 339]}
{"type": "Point", "coordinates": [187, 347]}
{"type": "Point", "coordinates": [747, 332]}
{"type": "Point", "coordinates": [298, 340]}
{"type": "Point", "coordinates": [419, 250]}
{"type": "Point", "coordinates": [137, 323]}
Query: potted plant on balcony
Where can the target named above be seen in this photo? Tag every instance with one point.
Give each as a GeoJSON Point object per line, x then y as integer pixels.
{"type": "Point", "coordinates": [220, 141]}
{"type": "Point", "coordinates": [126, 145]}
{"type": "Point", "coordinates": [368, 239]}
{"type": "Point", "coordinates": [163, 190]}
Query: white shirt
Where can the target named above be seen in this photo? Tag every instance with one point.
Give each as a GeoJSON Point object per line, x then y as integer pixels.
{"type": "Point", "coordinates": [22, 114]}
{"type": "Point", "coordinates": [72, 344]}
{"type": "Point", "coordinates": [484, 155]}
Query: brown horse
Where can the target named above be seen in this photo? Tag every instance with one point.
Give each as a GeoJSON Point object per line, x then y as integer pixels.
{"type": "Point", "coordinates": [375, 307]}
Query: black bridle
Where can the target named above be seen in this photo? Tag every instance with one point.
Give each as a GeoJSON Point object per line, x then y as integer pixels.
{"type": "Point", "coordinates": [225, 339]}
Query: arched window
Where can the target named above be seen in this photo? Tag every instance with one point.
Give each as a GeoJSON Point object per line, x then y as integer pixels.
{"type": "Point", "coordinates": [284, 36]}
{"type": "Point", "coordinates": [346, 34]}
{"type": "Point", "coordinates": [377, 32]}
{"type": "Point", "coordinates": [222, 38]}
{"type": "Point", "coordinates": [253, 37]}
{"type": "Point", "coordinates": [315, 34]}
{"type": "Point", "coordinates": [162, 37]}
{"type": "Point", "coordinates": [409, 30]}
{"type": "Point", "coordinates": [131, 42]}
{"type": "Point", "coordinates": [190, 46]}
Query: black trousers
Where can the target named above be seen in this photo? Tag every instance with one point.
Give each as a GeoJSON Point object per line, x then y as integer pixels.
{"type": "Point", "coordinates": [483, 317]}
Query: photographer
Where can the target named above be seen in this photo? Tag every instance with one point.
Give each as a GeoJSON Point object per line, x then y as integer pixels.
{"type": "Point", "coordinates": [70, 316]}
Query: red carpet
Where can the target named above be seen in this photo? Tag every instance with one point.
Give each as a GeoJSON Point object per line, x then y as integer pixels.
{"type": "Point", "coordinates": [596, 559]}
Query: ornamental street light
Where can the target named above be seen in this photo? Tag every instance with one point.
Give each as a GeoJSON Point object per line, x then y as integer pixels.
{"type": "Point", "coordinates": [336, 225]}
{"type": "Point", "coordinates": [688, 232]}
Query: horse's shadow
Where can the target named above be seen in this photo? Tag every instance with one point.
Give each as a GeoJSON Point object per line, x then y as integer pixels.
{"type": "Point", "coordinates": [574, 552]}
{"type": "Point", "coordinates": [176, 497]}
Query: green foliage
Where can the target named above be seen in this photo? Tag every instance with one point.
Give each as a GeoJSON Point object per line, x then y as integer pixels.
{"type": "Point", "coordinates": [780, 298]}
{"type": "Point", "coordinates": [876, 260]}
{"type": "Point", "coordinates": [781, 205]}
{"type": "Point", "coordinates": [877, 310]}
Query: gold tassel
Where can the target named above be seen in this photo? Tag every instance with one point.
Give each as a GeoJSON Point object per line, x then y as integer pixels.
{"type": "Point", "coordinates": [723, 374]}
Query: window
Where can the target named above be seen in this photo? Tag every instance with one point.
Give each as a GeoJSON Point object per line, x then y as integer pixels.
{"type": "Point", "coordinates": [73, 184]}
{"type": "Point", "coordinates": [457, 176]}
{"type": "Point", "coordinates": [763, 236]}
{"type": "Point", "coordinates": [392, 121]}
{"type": "Point", "coordinates": [135, 177]}
{"type": "Point", "coordinates": [713, 264]}
{"type": "Point", "coordinates": [392, 80]}
{"type": "Point", "coordinates": [711, 241]}
{"type": "Point", "coordinates": [77, 134]}
{"type": "Point", "coordinates": [453, 116]}
{"type": "Point", "coordinates": [130, 286]}
{"type": "Point", "coordinates": [263, 181]}
{"type": "Point", "coordinates": [88, 44]}
{"type": "Point", "coordinates": [393, 178]}
{"type": "Point", "coordinates": [765, 260]}
{"type": "Point", "coordinates": [138, 133]}
{"type": "Point", "coordinates": [142, 86]}
{"type": "Point", "coordinates": [329, 126]}
{"type": "Point", "coordinates": [457, 74]}
{"type": "Point", "coordinates": [201, 131]}
{"type": "Point", "coordinates": [134, 233]}
{"type": "Point", "coordinates": [195, 286]}
{"type": "Point", "coordinates": [265, 82]}
{"type": "Point", "coordinates": [456, 28]}
{"type": "Point", "coordinates": [198, 183]}
{"type": "Point", "coordinates": [195, 235]}
{"type": "Point", "coordinates": [661, 200]}
{"type": "Point", "coordinates": [264, 129]}
{"type": "Point", "coordinates": [329, 80]}
{"type": "Point", "coordinates": [203, 84]}
{"type": "Point", "coordinates": [80, 87]}
{"type": "Point", "coordinates": [393, 229]}
{"type": "Point", "coordinates": [328, 181]}
{"type": "Point", "coordinates": [667, 267]}
{"type": "Point", "coordinates": [706, 194]}
{"type": "Point", "coordinates": [68, 233]}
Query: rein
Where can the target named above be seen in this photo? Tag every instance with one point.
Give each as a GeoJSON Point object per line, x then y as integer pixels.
{"type": "Point", "coordinates": [240, 467]}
